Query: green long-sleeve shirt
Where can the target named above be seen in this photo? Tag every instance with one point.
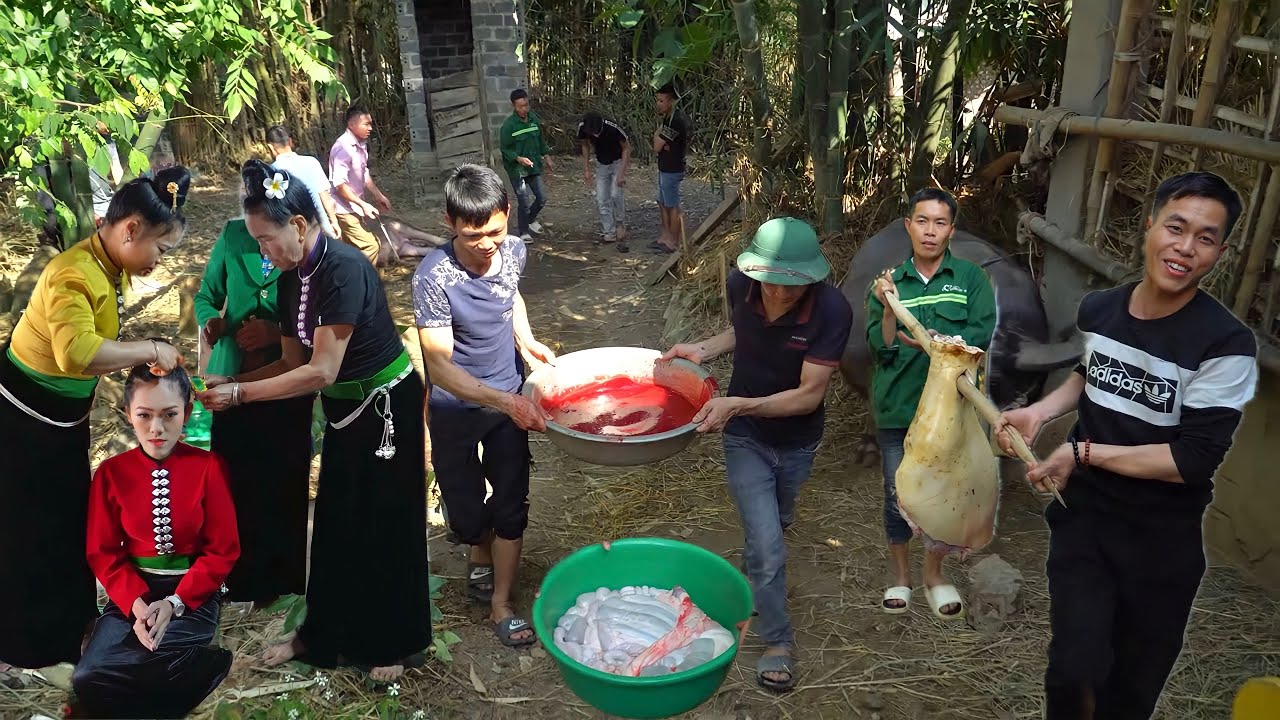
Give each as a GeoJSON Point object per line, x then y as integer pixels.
{"type": "Point", "coordinates": [234, 277]}
{"type": "Point", "coordinates": [523, 138]}
{"type": "Point", "coordinates": [957, 300]}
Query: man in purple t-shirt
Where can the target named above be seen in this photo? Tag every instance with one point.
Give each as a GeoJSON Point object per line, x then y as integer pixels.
{"type": "Point", "coordinates": [476, 341]}
{"type": "Point", "coordinates": [349, 174]}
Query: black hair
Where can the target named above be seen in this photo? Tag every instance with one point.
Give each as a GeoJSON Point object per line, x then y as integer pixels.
{"type": "Point", "coordinates": [142, 373]}
{"type": "Point", "coordinates": [518, 94]}
{"type": "Point", "coordinates": [932, 193]}
{"type": "Point", "coordinates": [356, 111]}
{"type": "Point", "coordinates": [1205, 185]}
{"type": "Point", "coordinates": [593, 123]}
{"type": "Point", "coordinates": [158, 199]}
{"type": "Point", "coordinates": [669, 90]}
{"type": "Point", "coordinates": [278, 135]}
{"type": "Point", "coordinates": [473, 193]}
{"type": "Point", "coordinates": [297, 198]}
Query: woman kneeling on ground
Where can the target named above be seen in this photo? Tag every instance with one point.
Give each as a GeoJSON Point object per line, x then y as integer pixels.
{"type": "Point", "coordinates": [369, 539]}
{"type": "Point", "coordinates": [162, 539]}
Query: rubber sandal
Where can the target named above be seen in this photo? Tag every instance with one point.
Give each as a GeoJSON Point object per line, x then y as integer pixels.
{"type": "Point", "coordinates": [944, 595]}
{"type": "Point", "coordinates": [510, 626]}
{"type": "Point", "coordinates": [897, 592]}
{"type": "Point", "coordinates": [478, 575]}
{"type": "Point", "coordinates": [776, 664]}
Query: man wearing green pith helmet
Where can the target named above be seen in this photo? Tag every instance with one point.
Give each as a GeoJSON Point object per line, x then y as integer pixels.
{"type": "Point", "coordinates": [788, 332]}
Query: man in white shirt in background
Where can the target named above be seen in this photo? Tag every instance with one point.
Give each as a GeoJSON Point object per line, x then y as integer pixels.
{"type": "Point", "coordinates": [309, 171]}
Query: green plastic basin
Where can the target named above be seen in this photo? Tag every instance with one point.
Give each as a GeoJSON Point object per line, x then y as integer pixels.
{"type": "Point", "coordinates": [715, 586]}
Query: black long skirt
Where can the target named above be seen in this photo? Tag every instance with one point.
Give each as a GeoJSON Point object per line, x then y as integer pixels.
{"type": "Point", "coordinates": [267, 449]}
{"type": "Point", "coordinates": [368, 601]}
{"type": "Point", "coordinates": [47, 592]}
{"type": "Point", "coordinates": [119, 678]}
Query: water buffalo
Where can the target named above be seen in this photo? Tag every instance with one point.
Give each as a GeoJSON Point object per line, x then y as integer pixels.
{"type": "Point", "coordinates": [1020, 356]}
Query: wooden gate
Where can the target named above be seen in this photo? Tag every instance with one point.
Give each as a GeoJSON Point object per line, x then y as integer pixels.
{"type": "Point", "coordinates": [454, 104]}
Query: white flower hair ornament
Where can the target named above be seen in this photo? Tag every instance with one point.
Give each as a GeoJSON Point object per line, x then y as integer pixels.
{"type": "Point", "coordinates": [276, 185]}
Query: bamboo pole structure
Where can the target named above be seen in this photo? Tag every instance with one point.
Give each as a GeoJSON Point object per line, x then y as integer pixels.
{"type": "Point", "coordinates": [1215, 68]}
{"type": "Point", "coordinates": [1210, 139]}
{"type": "Point", "coordinates": [1257, 253]}
{"type": "Point", "coordinates": [1104, 164]}
{"type": "Point", "coordinates": [1172, 81]}
{"type": "Point", "coordinates": [1271, 132]}
{"type": "Point", "coordinates": [937, 92]}
{"type": "Point", "coordinates": [965, 386]}
{"type": "Point", "coordinates": [757, 89]}
{"type": "Point", "coordinates": [1244, 42]}
{"type": "Point", "coordinates": [838, 114]}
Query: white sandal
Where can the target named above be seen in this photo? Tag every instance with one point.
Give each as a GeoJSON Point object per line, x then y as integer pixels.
{"type": "Point", "coordinates": [942, 595]}
{"type": "Point", "coordinates": [898, 592]}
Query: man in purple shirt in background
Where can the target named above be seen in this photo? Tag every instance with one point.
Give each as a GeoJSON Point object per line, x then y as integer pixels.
{"type": "Point", "coordinates": [349, 173]}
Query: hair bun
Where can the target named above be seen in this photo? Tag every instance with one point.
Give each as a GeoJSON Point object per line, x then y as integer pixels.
{"type": "Point", "coordinates": [253, 172]}
{"type": "Point", "coordinates": [171, 186]}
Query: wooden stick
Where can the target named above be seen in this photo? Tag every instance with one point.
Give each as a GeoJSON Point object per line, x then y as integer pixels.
{"type": "Point", "coordinates": [1215, 68]}
{"type": "Point", "coordinates": [988, 410]}
{"type": "Point", "coordinates": [1257, 252]}
{"type": "Point", "coordinates": [1244, 42]}
{"type": "Point", "coordinates": [971, 393]}
{"type": "Point", "coordinates": [1232, 143]}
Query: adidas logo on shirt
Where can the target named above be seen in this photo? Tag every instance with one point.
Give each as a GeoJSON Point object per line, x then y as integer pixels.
{"type": "Point", "coordinates": [1132, 383]}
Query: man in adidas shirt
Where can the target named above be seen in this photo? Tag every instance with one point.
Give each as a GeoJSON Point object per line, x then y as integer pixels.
{"type": "Point", "coordinates": [947, 295]}
{"type": "Point", "coordinates": [1159, 392]}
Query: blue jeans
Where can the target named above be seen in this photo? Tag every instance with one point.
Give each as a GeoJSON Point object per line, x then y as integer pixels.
{"type": "Point", "coordinates": [529, 198]}
{"type": "Point", "coordinates": [896, 530]}
{"type": "Point", "coordinates": [764, 482]}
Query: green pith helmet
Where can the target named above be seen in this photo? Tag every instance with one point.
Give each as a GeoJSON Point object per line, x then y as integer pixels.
{"type": "Point", "coordinates": [785, 251]}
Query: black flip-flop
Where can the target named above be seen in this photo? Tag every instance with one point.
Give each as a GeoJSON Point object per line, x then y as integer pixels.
{"type": "Point", "coordinates": [478, 575]}
{"type": "Point", "coordinates": [507, 627]}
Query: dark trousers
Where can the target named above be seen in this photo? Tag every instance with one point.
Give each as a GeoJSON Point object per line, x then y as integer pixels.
{"type": "Point", "coordinates": [1120, 591]}
{"type": "Point", "coordinates": [456, 435]}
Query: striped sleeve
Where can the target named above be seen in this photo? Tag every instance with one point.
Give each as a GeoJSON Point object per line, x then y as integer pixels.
{"type": "Point", "coordinates": [1213, 405]}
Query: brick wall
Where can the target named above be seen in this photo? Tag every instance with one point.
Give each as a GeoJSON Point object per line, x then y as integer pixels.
{"type": "Point", "coordinates": [421, 156]}
{"type": "Point", "coordinates": [499, 39]}
{"type": "Point", "coordinates": [445, 41]}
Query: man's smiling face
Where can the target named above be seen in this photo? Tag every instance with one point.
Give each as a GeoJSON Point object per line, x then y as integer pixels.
{"type": "Point", "coordinates": [1184, 242]}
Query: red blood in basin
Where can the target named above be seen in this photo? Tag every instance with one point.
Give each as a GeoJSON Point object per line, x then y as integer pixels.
{"type": "Point", "coordinates": [620, 406]}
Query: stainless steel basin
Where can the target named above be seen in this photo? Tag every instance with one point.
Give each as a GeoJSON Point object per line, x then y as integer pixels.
{"type": "Point", "coordinates": [599, 364]}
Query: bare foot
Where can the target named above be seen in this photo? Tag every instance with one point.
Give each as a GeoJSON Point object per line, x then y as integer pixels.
{"type": "Point", "coordinates": [387, 673]}
{"type": "Point", "coordinates": [283, 652]}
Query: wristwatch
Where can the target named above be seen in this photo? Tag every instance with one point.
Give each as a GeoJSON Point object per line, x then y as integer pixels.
{"type": "Point", "coordinates": [178, 606]}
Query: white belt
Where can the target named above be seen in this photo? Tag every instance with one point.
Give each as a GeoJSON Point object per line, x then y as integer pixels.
{"type": "Point", "coordinates": [386, 450]}
{"type": "Point", "coordinates": [22, 406]}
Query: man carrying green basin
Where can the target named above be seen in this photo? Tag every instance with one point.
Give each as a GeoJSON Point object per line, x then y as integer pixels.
{"type": "Point", "coordinates": [789, 330]}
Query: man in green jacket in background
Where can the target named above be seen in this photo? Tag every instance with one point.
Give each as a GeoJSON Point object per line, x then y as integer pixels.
{"type": "Point", "coordinates": [524, 151]}
{"type": "Point", "coordinates": [949, 296]}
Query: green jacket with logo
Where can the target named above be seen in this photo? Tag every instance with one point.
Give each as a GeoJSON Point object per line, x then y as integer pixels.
{"type": "Point", "coordinates": [957, 300]}
{"type": "Point", "coordinates": [522, 138]}
{"type": "Point", "coordinates": [235, 288]}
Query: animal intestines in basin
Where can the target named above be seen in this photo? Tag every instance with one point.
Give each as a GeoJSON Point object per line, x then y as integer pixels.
{"type": "Point", "coordinates": [620, 406]}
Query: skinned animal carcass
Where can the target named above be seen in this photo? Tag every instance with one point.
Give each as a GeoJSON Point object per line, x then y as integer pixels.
{"type": "Point", "coordinates": [948, 484]}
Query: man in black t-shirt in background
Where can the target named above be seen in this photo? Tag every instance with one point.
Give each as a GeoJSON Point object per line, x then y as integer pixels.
{"type": "Point", "coordinates": [670, 142]}
{"type": "Point", "coordinates": [1160, 390]}
{"type": "Point", "coordinates": [613, 156]}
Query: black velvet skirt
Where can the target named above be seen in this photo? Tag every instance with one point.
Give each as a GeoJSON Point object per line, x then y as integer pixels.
{"type": "Point", "coordinates": [119, 678]}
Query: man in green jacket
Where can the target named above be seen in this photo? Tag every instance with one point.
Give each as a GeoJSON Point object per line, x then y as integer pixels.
{"type": "Point", "coordinates": [524, 151]}
{"type": "Point", "coordinates": [949, 296]}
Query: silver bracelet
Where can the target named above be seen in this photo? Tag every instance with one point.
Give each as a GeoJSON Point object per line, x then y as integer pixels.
{"type": "Point", "coordinates": [235, 394]}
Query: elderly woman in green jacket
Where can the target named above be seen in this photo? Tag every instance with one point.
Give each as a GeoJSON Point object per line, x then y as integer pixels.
{"type": "Point", "coordinates": [266, 445]}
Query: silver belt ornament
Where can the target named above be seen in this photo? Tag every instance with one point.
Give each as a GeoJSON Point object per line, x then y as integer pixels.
{"type": "Point", "coordinates": [386, 449]}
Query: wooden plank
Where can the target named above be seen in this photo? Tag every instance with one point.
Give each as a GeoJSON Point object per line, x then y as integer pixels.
{"type": "Point", "coordinates": [453, 98]}
{"type": "Point", "coordinates": [1230, 115]}
{"type": "Point", "coordinates": [460, 144]}
{"type": "Point", "coordinates": [448, 132]}
{"type": "Point", "coordinates": [717, 216]}
{"type": "Point", "coordinates": [453, 161]}
{"type": "Point", "coordinates": [466, 78]}
{"type": "Point", "coordinates": [456, 115]}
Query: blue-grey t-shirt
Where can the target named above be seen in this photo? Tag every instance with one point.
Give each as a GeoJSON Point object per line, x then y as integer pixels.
{"type": "Point", "coordinates": [479, 309]}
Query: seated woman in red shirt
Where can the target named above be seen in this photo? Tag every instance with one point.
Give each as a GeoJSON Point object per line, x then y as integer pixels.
{"type": "Point", "coordinates": [162, 539]}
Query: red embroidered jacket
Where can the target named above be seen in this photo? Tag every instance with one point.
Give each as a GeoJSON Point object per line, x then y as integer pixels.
{"type": "Point", "coordinates": [169, 515]}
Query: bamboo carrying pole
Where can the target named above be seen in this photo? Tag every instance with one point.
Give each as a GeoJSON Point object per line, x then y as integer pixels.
{"type": "Point", "coordinates": [981, 403]}
{"type": "Point", "coordinates": [1123, 60]}
{"type": "Point", "coordinates": [1242, 145]}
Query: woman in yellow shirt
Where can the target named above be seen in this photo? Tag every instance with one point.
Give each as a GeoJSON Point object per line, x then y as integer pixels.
{"type": "Point", "coordinates": [66, 339]}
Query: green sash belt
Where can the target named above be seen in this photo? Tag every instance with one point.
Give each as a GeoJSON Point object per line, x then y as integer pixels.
{"type": "Point", "coordinates": [360, 389]}
{"type": "Point", "coordinates": [65, 386]}
{"type": "Point", "coordinates": [164, 562]}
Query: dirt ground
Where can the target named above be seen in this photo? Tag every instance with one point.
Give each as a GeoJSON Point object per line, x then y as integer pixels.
{"type": "Point", "coordinates": [854, 661]}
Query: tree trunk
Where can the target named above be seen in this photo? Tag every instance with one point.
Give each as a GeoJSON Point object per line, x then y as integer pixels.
{"type": "Point", "coordinates": [910, 45]}
{"type": "Point", "coordinates": [838, 114]}
{"type": "Point", "coordinates": [933, 106]}
{"type": "Point", "coordinates": [813, 44]}
{"type": "Point", "coordinates": [757, 91]}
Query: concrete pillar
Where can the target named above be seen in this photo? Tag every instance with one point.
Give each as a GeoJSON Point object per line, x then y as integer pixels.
{"type": "Point", "coordinates": [421, 157]}
{"type": "Point", "coordinates": [1090, 45]}
{"type": "Point", "coordinates": [498, 27]}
